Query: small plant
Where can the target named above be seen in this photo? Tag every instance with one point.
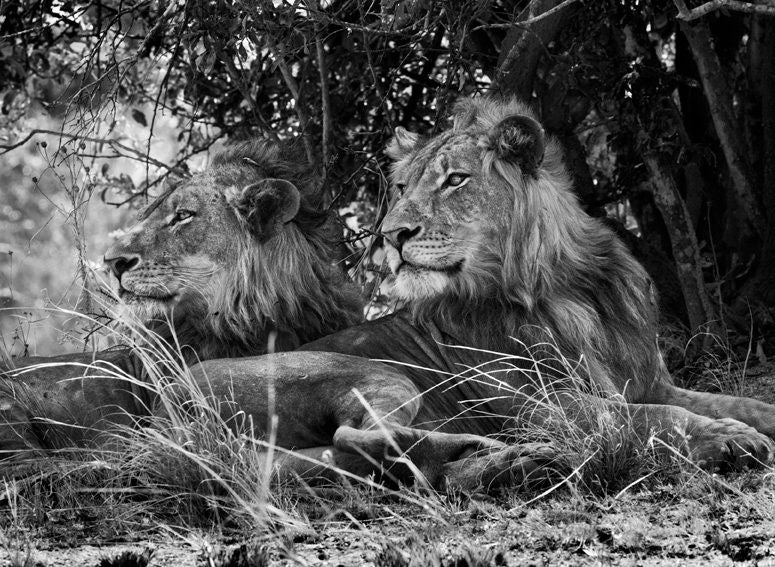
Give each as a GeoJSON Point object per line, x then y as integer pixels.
{"type": "Point", "coordinates": [390, 556]}
{"type": "Point", "coordinates": [721, 366]}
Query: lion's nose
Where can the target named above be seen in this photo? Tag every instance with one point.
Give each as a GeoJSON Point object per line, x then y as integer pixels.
{"type": "Point", "coordinates": [121, 264]}
{"type": "Point", "coordinates": [400, 235]}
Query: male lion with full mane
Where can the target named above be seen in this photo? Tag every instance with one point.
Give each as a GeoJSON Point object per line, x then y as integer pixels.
{"type": "Point", "coordinates": [238, 258]}
{"type": "Point", "coordinates": [235, 261]}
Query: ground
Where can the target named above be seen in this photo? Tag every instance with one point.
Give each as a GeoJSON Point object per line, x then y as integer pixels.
{"type": "Point", "coordinates": [700, 519]}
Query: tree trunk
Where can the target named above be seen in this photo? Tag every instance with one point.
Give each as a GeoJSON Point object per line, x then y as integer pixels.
{"type": "Point", "coordinates": [717, 93]}
{"type": "Point", "coordinates": [761, 126]}
{"type": "Point", "coordinates": [521, 49]}
{"type": "Point", "coordinates": [683, 241]}
{"type": "Point", "coordinates": [762, 81]}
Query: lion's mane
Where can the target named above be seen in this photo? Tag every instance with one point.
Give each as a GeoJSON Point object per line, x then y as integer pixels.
{"type": "Point", "coordinates": [554, 274]}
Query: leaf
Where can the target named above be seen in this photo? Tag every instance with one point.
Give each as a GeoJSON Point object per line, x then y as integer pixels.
{"type": "Point", "coordinates": [208, 63]}
{"type": "Point", "coordinates": [8, 101]}
{"type": "Point", "coordinates": [139, 117]}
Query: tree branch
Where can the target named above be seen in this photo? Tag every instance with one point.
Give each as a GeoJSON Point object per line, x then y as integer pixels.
{"type": "Point", "coordinates": [115, 145]}
{"type": "Point", "coordinates": [684, 13]}
{"type": "Point", "coordinates": [325, 101]}
{"type": "Point", "coordinates": [531, 20]}
{"type": "Point", "coordinates": [522, 47]}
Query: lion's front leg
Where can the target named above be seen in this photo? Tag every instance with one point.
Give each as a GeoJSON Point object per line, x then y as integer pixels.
{"type": "Point", "coordinates": [372, 408]}
{"type": "Point", "coordinates": [446, 460]}
{"type": "Point", "coordinates": [755, 413]}
{"type": "Point", "coordinates": [511, 465]}
{"type": "Point", "coordinates": [710, 442]}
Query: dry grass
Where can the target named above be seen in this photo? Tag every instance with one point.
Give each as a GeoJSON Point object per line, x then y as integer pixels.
{"type": "Point", "coordinates": [182, 469]}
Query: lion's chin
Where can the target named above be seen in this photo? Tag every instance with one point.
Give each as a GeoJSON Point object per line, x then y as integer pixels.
{"type": "Point", "coordinates": [413, 282]}
{"type": "Point", "coordinates": [143, 308]}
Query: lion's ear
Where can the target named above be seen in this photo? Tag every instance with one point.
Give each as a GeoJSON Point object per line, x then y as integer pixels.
{"type": "Point", "coordinates": [402, 143]}
{"type": "Point", "coordinates": [520, 139]}
{"type": "Point", "coordinates": [267, 205]}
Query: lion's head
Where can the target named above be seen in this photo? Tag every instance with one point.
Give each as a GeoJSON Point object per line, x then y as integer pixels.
{"type": "Point", "coordinates": [486, 238]}
{"type": "Point", "coordinates": [468, 197]}
{"type": "Point", "coordinates": [236, 258]}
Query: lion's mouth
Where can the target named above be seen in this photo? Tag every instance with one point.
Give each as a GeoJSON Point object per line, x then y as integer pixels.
{"type": "Point", "coordinates": [133, 297]}
{"type": "Point", "coordinates": [411, 268]}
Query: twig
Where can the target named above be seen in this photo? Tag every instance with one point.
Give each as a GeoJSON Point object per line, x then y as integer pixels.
{"type": "Point", "coordinates": [684, 13]}
{"type": "Point", "coordinates": [70, 18]}
{"type": "Point", "coordinates": [236, 77]}
{"type": "Point", "coordinates": [325, 100]}
{"type": "Point", "coordinates": [162, 89]}
{"type": "Point", "coordinates": [290, 82]}
{"type": "Point", "coordinates": [156, 29]}
{"type": "Point", "coordinates": [115, 145]}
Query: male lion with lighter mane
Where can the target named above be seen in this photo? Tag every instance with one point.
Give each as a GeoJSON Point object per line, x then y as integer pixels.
{"type": "Point", "coordinates": [492, 252]}
{"type": "Point", "coordinates": [508, 289]}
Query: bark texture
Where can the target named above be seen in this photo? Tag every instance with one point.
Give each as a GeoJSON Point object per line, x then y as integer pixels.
{"type": "Point", "coordinates": [683, 241]}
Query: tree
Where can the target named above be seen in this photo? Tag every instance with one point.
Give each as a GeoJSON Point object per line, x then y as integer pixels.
{"type": "Point", "coordinates": [666, 111]}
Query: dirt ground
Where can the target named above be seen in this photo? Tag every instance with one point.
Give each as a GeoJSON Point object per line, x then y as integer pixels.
{"type": "Point", "coordinates": [708, 521]}
{"type": "Point", "coordinates": [639, 529]}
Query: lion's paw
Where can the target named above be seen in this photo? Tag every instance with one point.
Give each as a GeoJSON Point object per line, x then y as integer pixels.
{"type": "Point", "coordinates": [507, 465]}
{"type": "Point", "coordinates": [728, 443]}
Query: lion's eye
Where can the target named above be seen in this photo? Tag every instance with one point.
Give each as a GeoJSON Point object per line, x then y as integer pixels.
{"type": "Point", "coordinates": [181, 216]}
{"type": "Point", "coordinates": [456, 179]}
{"type": "Point", "coordinates": [400, 187]}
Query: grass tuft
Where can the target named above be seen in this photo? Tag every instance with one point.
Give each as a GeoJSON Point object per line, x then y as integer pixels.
{"type": "Point", "coordinates": [417, 553]}
{"type": "Point", "coordinates": [128, 559]}
{"type": "Point", "coordinates": [241, 556]}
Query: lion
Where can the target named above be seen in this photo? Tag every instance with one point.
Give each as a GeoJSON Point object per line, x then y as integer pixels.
{"type": "Point", "coordinates": [512, 296]}
{"type": "Point", "coordinates": [491, 252]}
{"type": "Point", "coordinates": [237, 258]}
